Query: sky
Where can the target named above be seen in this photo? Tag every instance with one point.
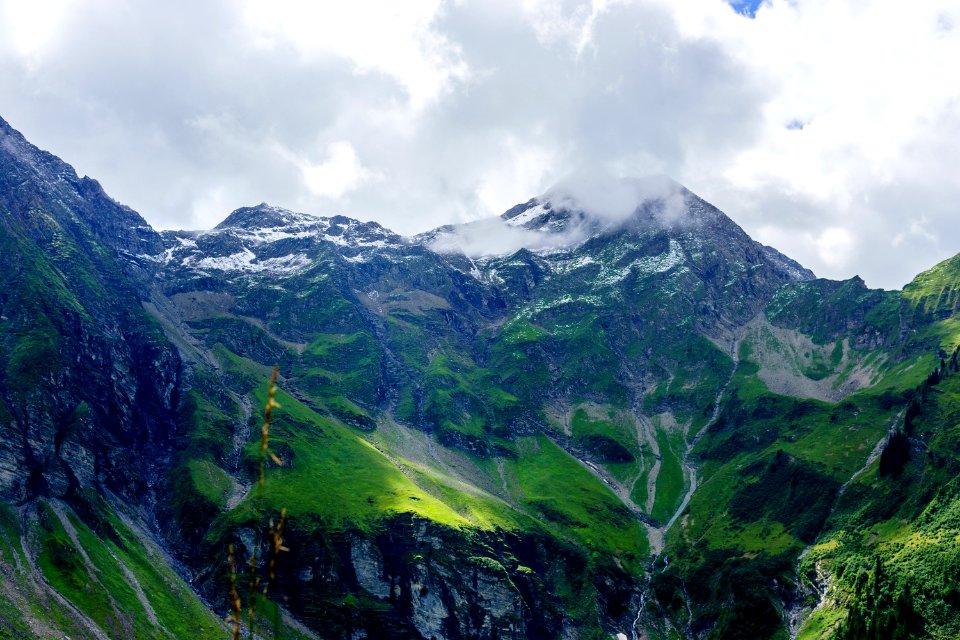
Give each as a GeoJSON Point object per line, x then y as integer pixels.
{"type": "Point", "coordinates": [830, 130]}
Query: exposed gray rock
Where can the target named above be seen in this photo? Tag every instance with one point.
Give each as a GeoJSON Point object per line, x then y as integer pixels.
{"type": "Point", "coordinates": [368, 565]}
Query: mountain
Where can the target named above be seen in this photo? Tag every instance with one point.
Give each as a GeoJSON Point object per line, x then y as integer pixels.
{"type": "Point", "coordinates": [90, 393]}
{"type": "Point", "coordinates": [595, 415]}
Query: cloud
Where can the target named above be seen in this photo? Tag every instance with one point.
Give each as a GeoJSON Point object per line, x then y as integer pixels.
{"type": "Point", "coordinates": [455, 110]}
{"type": "Point", "coordinates": [917, 229]}
{"type": "Point", "coordinates": [835, 246]}
{"type": "Point", "coordinates": [601, 200]}
{"type": "Point", "coordinates": [459, 112]}
{"type": "Point", "coordinates": [614, 198]}
{"type": "Point", "coordinates": [31, 26]}
{"type": "Point", "coordinates": [339, 173]}
{"type": "Point", "coordinates": [397, 40]}
{"type": "Point", "coordinates": [873, 87]}
{"type": "Point", "coordinates": [494, 237]}
{"type": "Point", "coordinates": [524, 167]}
{"type": "Point", "coordinates": [573, 25]}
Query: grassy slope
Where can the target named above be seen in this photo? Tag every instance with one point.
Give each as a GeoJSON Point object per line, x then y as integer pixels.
{"type": "Point", "coordinates": [892, 550]}
{"type": "Point", "coordinates": [338, 478]}
{"type": "Point", "coordinates": [574, 503]}
{"type": "Point", "coordinates": [127, 589]}
{"type": "Point", "coordinates": [107, 595]}
{"type": "Point", "coordinates": [670, 480]}
{"type": "Point", "coordinates": [21, 607]}
{"type": "Point", "coordinates": [360, 484]}
{"type": "Point", "coordinates": [936, 292]}
{"type": "Point", "coordinates": [333, 473]}
{"type": "Point", "coordinates": [771, 470]}
{"type": "Point", "coordinates": [771, 467]}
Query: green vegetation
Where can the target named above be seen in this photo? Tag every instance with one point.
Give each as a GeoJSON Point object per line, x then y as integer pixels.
{"type": "Point", "coordinates": [569, 499]}
{"type": "Point", "coordinates": [695, 370]}
{"type": "Point", "coordinates": [611, 440]}
{"type": "Point", "coordinates": [210, 480]}
{"type": "Point", "coordinates": [772, 468]}
{"type": "Point", "coordinates": [347, 364]}
{"type": "Point", "coordinates": [892, 547]}
{"type": "Point", "coordinates": [936, 293]}
{"type": "Point", "coordinates": [670, 480]}
{"type": "Point", "coordinates": [34, 353]}
{"type": "Point", "coordinates": [360, 484]}
{"type": "Point", "coordinates": [827, 310]}
{"type": "Point", "coordinates": [114, 579]}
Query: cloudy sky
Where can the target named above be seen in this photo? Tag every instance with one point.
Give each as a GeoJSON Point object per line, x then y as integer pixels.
{"type": "Point", "coordinates": [829, 129]}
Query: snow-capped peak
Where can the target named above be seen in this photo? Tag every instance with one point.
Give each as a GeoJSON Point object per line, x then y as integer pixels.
{"type": "Point", "coordinates": [265, 215]}
{"type": "Point", "coordinates": [270, 239]}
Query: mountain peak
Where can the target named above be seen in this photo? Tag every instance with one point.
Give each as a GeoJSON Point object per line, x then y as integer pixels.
{"type": "Point", "coordinates": [29, 174]}
{"type": "Point", "coordinates": [264, 216]}
{"type": "Point", "coordinates": [601, 203]}
{"type": "Point", "coordinates": [587, 214]}
{"type": "Point", "coordinates": [21, 154]}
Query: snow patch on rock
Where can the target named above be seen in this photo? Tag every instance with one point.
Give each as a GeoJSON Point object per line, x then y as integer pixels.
{"type": "Point", "coordinates": [247, 261]}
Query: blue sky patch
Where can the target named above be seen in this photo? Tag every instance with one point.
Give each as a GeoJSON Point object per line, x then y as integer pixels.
{"type": "Point", "coordinates": [746, 7]}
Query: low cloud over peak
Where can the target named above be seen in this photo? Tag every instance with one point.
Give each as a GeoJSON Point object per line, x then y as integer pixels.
{"type": "Point", "coordinates": [611, 198]}
{"type": "Point", "coordinates": [579, 206]}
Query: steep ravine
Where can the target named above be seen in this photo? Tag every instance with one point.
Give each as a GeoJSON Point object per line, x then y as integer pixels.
{"type": "Point", "coordinates": [240, 484]}
{"type": "Point", "coordinates": [658, 533]}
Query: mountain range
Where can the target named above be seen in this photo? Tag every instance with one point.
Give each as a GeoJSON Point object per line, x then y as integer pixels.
{"type": "Point", "coordinates": [571, 421]}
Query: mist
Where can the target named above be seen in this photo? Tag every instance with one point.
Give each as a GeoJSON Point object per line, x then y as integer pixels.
{"type": "Point", "coordinates": [601, 201]}
{"type": "Point", "coordinates": [611, 198]}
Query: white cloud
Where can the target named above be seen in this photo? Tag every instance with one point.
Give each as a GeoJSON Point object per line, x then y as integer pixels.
{"type": "Point", "coordinates": [815, 116]}
{"type": "Point", "coordinates": [871, 83]}
{"type": "Point", "coordinates": [613, 198]}
{"type": "Point", "coordinates": [573, 25]}
{"type": "Point", "coordinates": [917, 229]}
{"type": "Point", "coordinates": [847, 71]}
{"type": "Point", "coordinates": [394, 38]}
{"type": "Point", "coordinates": [493, 237]}
{"type": "Point", "coordinates": [606, 200]}
{"type": "Point", "coordinates": [28, 26]}
{"type": "Point", "coordinates": [339, 173]}
{"type": "Point", "coordinates": [835, 246]}
{"type": "Point", "coordinates": [526, 166]}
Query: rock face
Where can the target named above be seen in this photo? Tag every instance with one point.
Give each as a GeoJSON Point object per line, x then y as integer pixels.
{"type": "Point", "coordinates": [443, 599]}
{"type": "Point", "coordinates": [90, 385]}
{"type": "Point", "coordinates": [431, 584]}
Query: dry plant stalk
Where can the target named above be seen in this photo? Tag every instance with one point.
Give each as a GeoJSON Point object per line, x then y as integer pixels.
{"type": "Point", "coordinates": [234, 596]}
{"type": "Point", "coordinates": [275, 533]}
{"type": "Point", "coordinates": [265, 429]}
{"type": "Point", "coordinates": [276, 546]}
